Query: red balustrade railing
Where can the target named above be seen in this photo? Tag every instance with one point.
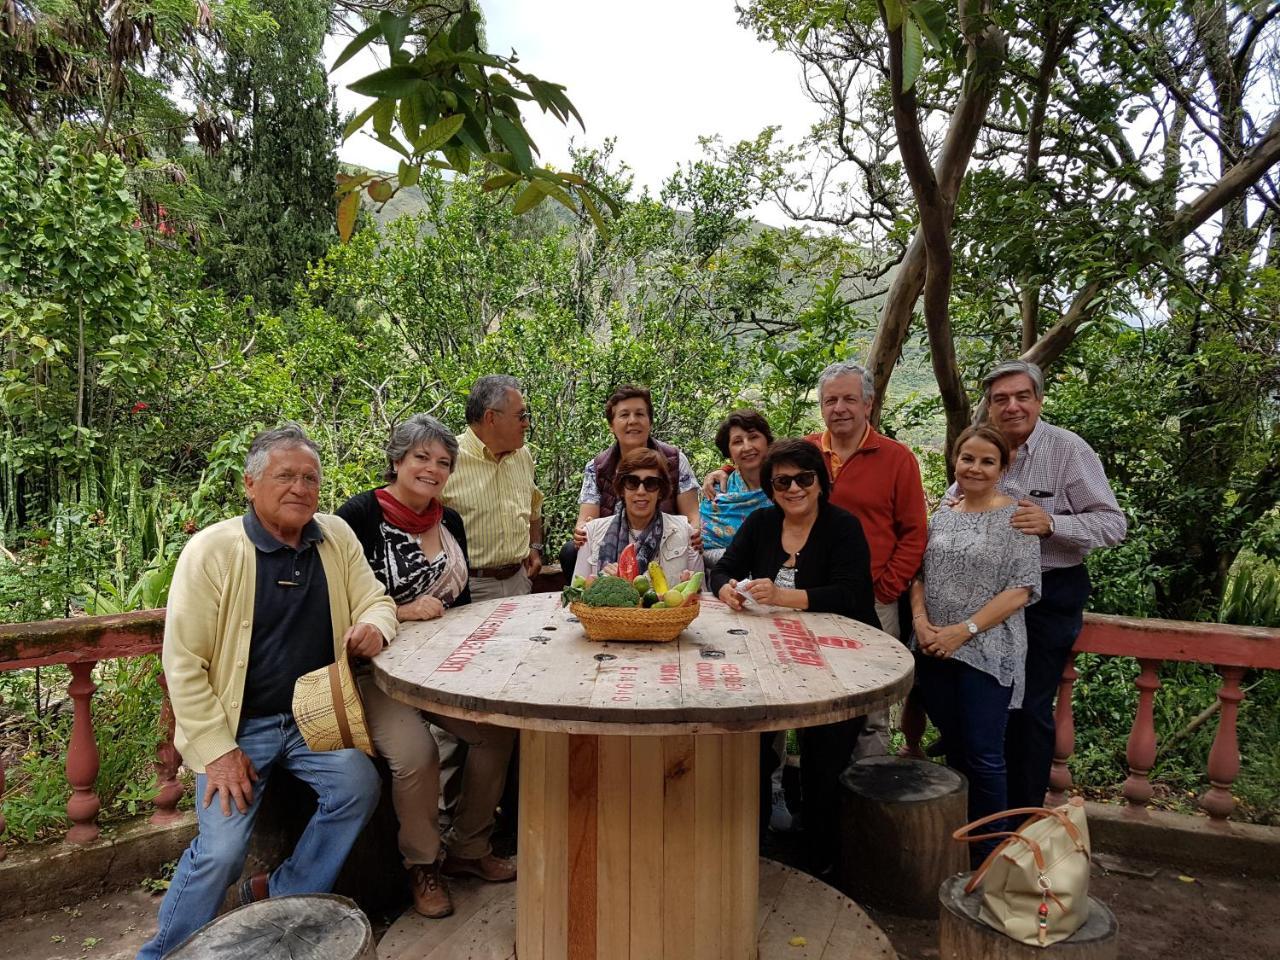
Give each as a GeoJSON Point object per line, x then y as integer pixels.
{"type": "Point", "coordinates": [1232, 650]}
{"type": "Point", "coordinates": [81, 644]}
{"type": "Point", "coordinates": [1151, 642]}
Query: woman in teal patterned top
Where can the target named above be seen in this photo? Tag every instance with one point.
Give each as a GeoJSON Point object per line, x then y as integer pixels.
{"type": "Point", "coordinates": [743, 437]}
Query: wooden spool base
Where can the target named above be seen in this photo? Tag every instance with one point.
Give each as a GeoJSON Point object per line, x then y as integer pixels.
{"type": "Point", "coordinates": [897, 816]}
{"type": "Point", "coordinates": [312, 927]}
{"type": "Point", "coordinates": [791, 904]}
{"type": "Point", "coordinates": [962, 936]}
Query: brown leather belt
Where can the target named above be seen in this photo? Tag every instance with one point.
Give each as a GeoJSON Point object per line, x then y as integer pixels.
{"type": "Point", "coordinates": [496, 573]}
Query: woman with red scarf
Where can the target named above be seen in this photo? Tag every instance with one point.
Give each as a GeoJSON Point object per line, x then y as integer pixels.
{"type": "Point", "coordinates": [418, 549]}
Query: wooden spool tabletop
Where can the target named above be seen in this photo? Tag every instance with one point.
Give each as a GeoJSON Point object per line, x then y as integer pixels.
{"type": "Point", "coordinates": [525, 662]}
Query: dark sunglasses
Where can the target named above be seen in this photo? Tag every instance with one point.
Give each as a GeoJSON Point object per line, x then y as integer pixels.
{"type": "Point", "coordinates": [805, 479]}
{"type": "Point", "coordinates": [632, 482]}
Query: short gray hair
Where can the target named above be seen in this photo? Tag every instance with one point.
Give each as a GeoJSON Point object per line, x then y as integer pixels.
{"type": "Point", "coordinates": [420, 430]}
{"type": "Point", "coordinates": [847, 368]}
{"type": "Point", "coordinates": [287, 436]}
{"type": "Point", "coordinates": [1010, 367]}
{"type": "Point", "coordinates": [490, 393]}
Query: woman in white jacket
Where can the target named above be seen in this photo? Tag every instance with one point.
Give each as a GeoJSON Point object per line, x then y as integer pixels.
{"type": "Point", "coordinates": [641, 481]}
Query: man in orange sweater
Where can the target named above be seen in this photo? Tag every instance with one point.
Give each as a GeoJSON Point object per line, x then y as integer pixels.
{"type": "Point", "coordinates": [877, 479]}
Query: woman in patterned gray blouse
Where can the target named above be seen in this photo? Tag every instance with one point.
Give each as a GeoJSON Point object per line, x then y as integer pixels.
{"type": "Point", "coordinates": [967, 611]}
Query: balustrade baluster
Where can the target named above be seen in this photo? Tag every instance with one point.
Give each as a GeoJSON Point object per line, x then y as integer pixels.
{"type": "Point", "coordinates": [1064, 737]}
{"type": "Point", "coordinates": [1224, 756]}
{"type": "Point", "coordinates": [1141, 752]}
{"type": "Point", "coordinates": [82, 758]}
{"type": "Point", "coordinates": [167, 761]}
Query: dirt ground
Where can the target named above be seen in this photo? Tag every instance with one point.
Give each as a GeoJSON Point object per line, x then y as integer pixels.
{"type": "Point", "coordinates": [1173, 914]}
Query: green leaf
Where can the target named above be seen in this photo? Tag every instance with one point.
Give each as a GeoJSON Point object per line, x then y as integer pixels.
{"type": "Point", "coordinates": [593, 212]}
{"type": "Point", "coordinates": [500, 181]}
{"type": "Point", "coordinates": [931, 19]}
{"type": "Point", "coordinates": [530, 197]}
{"type": "Point", "coordinates": [912, 54]}
{"type": "Point", "coordinates": [394, 29]}
{"type": "Point", "coordinates": [397, 82]}
{"type": "Point", "coordinates": [408, 174]}
{"type": "Point", "coordinates": [358, 121]}
{"type": "Point", "coordinates": [439, 133]}
{"type": "Point", "coordinates": [347, 182]}
{"type": "Point", "coordinates": [892, 14]}
{"type": "Point", "coordinates": [516, 140]}
{"type": "Point", "coordinates": [358, 43]}
{"type": "Point", "coordinates": [463, 35]}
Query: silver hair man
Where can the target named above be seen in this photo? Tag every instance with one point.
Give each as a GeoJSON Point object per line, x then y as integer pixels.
{"type": "Point", "coordinates": [847, 368]}
{"type": "Point", "coordinates": [490, 393]}
{"type": "Point", "coordinates": [284, 437]}
{"type": "Point", "coordinates": [1010, 367]}
{"type": "Point", "coordinates": [420, 430]}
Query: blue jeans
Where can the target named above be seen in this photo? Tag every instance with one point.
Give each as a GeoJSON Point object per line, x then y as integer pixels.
{"type": "Point", "coordinates": [347, 788]}
{"type": "Point", "coordinates": [1052, 627]}
{"type": "Point", "coordinates": [970, 710]}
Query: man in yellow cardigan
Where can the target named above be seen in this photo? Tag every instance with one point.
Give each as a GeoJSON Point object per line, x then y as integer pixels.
{"type": "Point", "coordinates": [256, 602]}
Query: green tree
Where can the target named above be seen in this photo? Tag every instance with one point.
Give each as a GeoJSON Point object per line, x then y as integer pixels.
{"type": "Point", "coordinates": [277, 170]}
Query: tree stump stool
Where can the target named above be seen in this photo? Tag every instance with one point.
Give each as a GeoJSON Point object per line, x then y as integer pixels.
{"type": "Point", "coordinates": [897, 817]}
{"type": "Point", "coordinates": [312, 927]}
{"type": "Point", "coordinates": [962, 936]}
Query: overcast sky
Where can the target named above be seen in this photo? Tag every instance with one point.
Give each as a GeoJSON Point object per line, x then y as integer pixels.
{"type": "Point", "coordinates": [655, 75]}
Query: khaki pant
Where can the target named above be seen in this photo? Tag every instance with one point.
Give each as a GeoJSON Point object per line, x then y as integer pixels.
{"type": "Point", "coordinates": [873, 741]}
{"type": "Point", "coordinates": [452, 753]}
{"type": "Point", "coordinates": [400, 733]}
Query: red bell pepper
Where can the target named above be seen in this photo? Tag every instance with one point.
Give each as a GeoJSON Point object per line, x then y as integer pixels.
{"type": "Point", "coordinates": [628, 566]}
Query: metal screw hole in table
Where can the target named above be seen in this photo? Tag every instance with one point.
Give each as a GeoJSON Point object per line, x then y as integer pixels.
{"type": "Point", "coordinates": [539, 639]}
{"type": "Point", "coordinates": [602, 657]}
{"type": "Point", "coordinates": [573, 620]}
{"type": "Point", "coordinates": [712, 654]}
{"type": "Point", "coordinates": [737, 632]}
{"type": "Point", "coordinates": [548, 627]}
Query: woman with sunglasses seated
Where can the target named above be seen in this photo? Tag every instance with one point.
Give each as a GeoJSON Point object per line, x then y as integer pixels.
{"type": "Point", "coordinates": [807, 554]}
{"type": "Point", "coordinates": [640, 483]}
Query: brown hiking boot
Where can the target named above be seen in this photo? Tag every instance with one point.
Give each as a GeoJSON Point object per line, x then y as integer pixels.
{"type": "Point", "coordinates": [489, 867]}
{"type": "Point", "coordinates": [430, 895]}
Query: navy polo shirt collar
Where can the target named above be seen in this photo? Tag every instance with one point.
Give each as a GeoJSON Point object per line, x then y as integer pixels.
{"type": "Point", "coordinates": [264, 541]}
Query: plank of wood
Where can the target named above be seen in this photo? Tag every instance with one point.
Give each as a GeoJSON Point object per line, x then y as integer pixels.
{"type": "Point", "coordinates": [679, 847]}
{"type": "Point", "coordinates": [646, 847]}
{"type": "Point", "coordinates": [531, 882]}
{"type": "Point", "coordinates": [584, 761]}
{"type": "Point", "coordinates": [613, 849]}
{"type": "Point", "coordinates": [742, 877]}
{"type": "Point", "coordinates": [709, 811]}
{"type": "Point", "coordinates": [555, 842]}
{"type": "Point", "coordinates": [414, 936]}
{"type": "Point", "coordinates": [772, 879]}
{"type": "Point", "coordinates": [805, 908]}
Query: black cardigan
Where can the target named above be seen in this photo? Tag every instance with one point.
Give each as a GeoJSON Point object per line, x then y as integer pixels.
{"type": "Point", "coordinates": [364, 514]}
{"type": "Point", "coordinates": [833, 567]}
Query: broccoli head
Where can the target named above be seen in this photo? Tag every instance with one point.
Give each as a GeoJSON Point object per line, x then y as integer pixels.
{"type": "Point", "coordinates": [611, 592]}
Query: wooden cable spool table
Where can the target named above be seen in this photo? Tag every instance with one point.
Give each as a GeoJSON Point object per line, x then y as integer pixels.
{"type": "Point", "coordinates": [639, 769]}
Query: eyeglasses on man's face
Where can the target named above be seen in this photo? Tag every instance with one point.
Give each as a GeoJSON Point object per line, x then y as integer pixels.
{"type": "Point", "coordinates": [631, 482]}
{"type": "Point", "coordinates": [804, 480]}
{"type": "Point", "coordinates": [286, 479]}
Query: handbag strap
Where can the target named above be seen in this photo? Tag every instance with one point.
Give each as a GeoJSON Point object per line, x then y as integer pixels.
{"type": "Point", "coordinates": [340, 706]}
{"type": "Point", "coordinates": [1032, 813]}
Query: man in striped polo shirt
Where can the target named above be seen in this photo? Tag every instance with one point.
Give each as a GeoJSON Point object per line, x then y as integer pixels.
{"type": "Point", "coordinates": [1065, 500]}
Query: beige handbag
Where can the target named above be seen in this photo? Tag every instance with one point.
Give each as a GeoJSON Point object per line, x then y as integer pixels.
{"type": "Point", "coordinates": [328, 711]}
{"type": "Point", "coordinates": [1035, 885]}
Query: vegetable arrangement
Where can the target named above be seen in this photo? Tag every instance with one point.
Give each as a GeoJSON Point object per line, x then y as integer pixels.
{"type": "Point", "coordinates": [631, 588]}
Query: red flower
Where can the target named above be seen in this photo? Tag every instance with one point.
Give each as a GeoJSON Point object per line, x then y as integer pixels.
{"type": "Point", "coordinates": [139, 407]}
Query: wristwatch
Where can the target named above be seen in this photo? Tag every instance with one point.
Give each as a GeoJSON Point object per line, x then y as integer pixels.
{"type": "Point", "coordinates": [536, 546]}
{"type": "Point", "coordinates": [972, 628]}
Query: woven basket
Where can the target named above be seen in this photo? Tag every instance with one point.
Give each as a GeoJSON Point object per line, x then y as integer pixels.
{"type": "Point", "coordinates": [635, 623]}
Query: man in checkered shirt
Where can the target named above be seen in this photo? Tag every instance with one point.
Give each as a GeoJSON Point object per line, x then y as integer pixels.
{"type": "Point", "coordinates": [1065, 500]}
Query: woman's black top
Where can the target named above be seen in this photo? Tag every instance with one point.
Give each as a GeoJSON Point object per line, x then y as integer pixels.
{"type": "Point", "coordinates": [833, 566]}
{"type": "Point", "coordinates": [364, 515]}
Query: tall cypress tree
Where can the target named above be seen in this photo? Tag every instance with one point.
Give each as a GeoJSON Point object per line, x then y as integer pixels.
{"type": "Point", "coordinates": [277, 173]}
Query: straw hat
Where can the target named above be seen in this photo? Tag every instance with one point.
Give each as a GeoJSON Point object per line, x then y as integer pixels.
{"type": "Point", "coordinates": [328, 711]}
